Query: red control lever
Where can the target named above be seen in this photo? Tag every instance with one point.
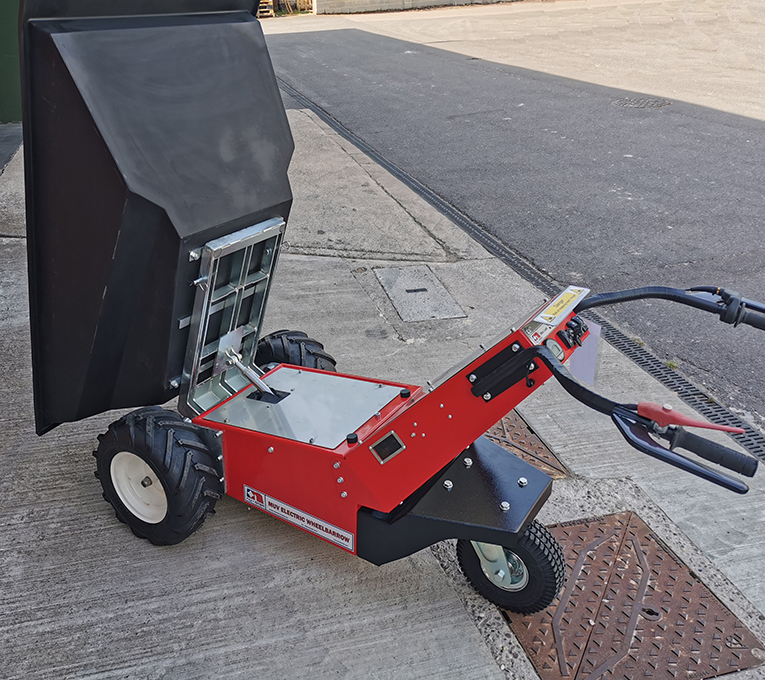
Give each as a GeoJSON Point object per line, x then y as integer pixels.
{"type": "Point", "coordinates": [665, 415]}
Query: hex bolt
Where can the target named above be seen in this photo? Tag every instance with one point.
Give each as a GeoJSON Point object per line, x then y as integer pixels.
{"type": "Point", "coordinates": [515, 347]}
{"type": "Point", "coordinates": [472, 377]}
{"type": "Point", "coordinates": [220, 457]}
{"type": "Point", "coordinates": [344, 494]}
{"type": "Point", "coordinates": [340, 480]}
{"type": "Point", "coordinates": [146, 481]}
{"type": "Point", "coordinates": [504, 506]}
{"type": "Point", "coordinates": [448, 485]}
{"type": "Point", "coordinates": [487, 396]}
{"type": "Point", "coordinates": [218, 433]}
{"type": "Point", "coordinates": [500, 574]}
{"type": "Point", "coordinates": [336, 465]}
{"type": "Point", "coordinates": [175, 384]}
{"type": "Point", "coordinates": [522, 481]}
{"type": "Point", "coordinates": [270, 449]}
{"type": "Point", "coordinates": [414, 434]}
{"type": "Point", "coordinates": [468, 462]}
{"type": "Point", "coordinates": [194, 255]}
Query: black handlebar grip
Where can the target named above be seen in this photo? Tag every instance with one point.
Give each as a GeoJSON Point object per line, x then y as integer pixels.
{"type": "Point", "coordinates": [754, 319]}
{"type": "Point", "coordinates": [714, 452]}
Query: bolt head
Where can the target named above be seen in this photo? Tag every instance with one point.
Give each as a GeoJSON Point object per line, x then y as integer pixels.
{"type": "Point", "coordinates": [468, 462]}
{"type": "Point", "coordinates": [522, 481]}
{"type": "Point", "coordinates": [270, 449]}
{"type": "Point", "coordinates": [336, 465]}
{"type": "Point", "coordinates": [448, 485]}
{"type": "Point", "coordinates": [472, 377]}
{"type": "Point", "coordinates": [146, 481]}
{"type": "Point", "coordinates": [504, 506]}
{"type": "Point", "coordinates": [515, 347]}
{"type": "Point", "coordinates": [499, 574]}
{"type": "Point", "coordinates": [487, 396]}
{"type": "Point", "coordinates": [344, 494]}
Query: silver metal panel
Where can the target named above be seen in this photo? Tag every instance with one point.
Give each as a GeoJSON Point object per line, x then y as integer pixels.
{"type": "Point", "coordinates": [417, 294]}
{"type": "Point", "coordinates": [232, 289]}
{"type": "Point", "coordinates": [321, 408]}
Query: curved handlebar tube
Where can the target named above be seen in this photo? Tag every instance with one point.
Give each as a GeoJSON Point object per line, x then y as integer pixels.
{"type": "Point", "coordinates": [730, 306]}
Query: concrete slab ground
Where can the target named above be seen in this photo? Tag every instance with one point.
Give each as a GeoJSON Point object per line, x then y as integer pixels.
{"type": "Point", "coordinates": [248, 596]}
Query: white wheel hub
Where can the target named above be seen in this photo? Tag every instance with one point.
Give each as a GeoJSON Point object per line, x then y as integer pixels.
{"type": "Point", "coordinates": [138, 487]}
{"type": "Point", "coordinates": [502, 566]}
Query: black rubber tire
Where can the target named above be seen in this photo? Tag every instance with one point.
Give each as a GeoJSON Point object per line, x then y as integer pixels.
{"type": "Point", "coordinates": [544, 561]}
{"type": "Point", "coordinates": [295, 348]}
{"type": "Point", "coordinates": [175, 452]}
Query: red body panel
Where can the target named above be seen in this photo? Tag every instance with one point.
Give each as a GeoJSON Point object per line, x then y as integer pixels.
{"type": "Point", "coordinates": [435, 425]}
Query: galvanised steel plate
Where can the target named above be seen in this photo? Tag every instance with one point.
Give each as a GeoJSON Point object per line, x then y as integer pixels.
{"type": "Point", "coordinates": [631, 609]}
{"type": "Point", "coordinates": [513, 434]}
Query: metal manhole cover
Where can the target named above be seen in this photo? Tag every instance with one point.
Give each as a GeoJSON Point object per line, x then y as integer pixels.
{"type": "Point", "coordinates": [641, 102]}
{"type": "Point", "coordinates": [513, 434]}
{"type": "Point", "coordinates": [630, 609]}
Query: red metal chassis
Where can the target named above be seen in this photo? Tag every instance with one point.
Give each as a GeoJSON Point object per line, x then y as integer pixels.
{"type": "Point", "coordinates": [321, 490]}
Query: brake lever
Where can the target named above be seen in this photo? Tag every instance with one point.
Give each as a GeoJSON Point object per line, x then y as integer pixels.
{"type": "Point", "coordinates": [664, 416]}
{"type": "Point", "coordinates": [633, 428]}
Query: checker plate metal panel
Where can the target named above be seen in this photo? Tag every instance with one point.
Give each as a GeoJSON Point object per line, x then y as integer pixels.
{"type": "Point", "coordinates": [631, 609]}
{"type": "Point", "coordinates": [512, 433]}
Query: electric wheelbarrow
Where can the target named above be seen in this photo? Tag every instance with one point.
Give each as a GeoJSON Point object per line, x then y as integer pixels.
{"type": "Point", "coordinates": [380, 469]}
{"type": "Point", "coordinates": [156, 152]}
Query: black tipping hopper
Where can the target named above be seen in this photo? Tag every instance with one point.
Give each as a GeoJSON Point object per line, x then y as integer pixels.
{"type": "Point", "coordinates": [150, 129]}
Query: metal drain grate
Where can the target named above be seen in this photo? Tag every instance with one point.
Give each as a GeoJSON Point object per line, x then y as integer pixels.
{"type": "Point", "coordinates": [752, 441]}
{"type": "Point", "coordinates": [512, 433]}
{"type": "Point", "coordinates": [641, 102]}
{"type": "Point", "coordinates": [631, 609]}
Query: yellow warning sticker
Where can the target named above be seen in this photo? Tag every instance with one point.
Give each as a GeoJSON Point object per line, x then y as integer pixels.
{"type": "Point", "coordinates": [560, 306]}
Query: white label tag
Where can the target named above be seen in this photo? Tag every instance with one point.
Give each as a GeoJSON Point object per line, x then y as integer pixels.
{"type": "Point", "coordinates": [299, 518]}
{"type": "Point", "coordinates": [561, 305]}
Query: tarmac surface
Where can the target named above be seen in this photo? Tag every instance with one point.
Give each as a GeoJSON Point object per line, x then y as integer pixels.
{"type": "Point", "coordinates": [535, 151]}
{"type": "Point", "coordinates": [249, 596]}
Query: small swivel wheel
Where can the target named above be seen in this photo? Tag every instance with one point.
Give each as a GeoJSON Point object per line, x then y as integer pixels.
{"type": "Point", "coordinates": [525, 579]}
{"type": "Point", "coordinates": [158, 474]}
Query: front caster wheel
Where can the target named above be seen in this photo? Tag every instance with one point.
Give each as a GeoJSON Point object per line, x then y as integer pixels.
{"type": "Point", "coordinates": [158, 474]}
{"type": "Point", "coordinates": [525, 579]}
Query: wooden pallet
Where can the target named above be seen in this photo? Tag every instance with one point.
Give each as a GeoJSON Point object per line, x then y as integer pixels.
{"type": "Point", "coordinates": [265, 9]}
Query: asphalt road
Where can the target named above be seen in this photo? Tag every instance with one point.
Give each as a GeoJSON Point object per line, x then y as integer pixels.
{"type": "Point", "coordinates": [592, 193]}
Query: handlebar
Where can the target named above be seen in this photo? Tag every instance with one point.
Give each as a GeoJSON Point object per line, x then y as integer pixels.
{"type": "Point", "coordinates": [731, 307]}
{"type": "Point", "coordinates": [637, 430]}
{"type": "Point", "coordinates": [712, 451]}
